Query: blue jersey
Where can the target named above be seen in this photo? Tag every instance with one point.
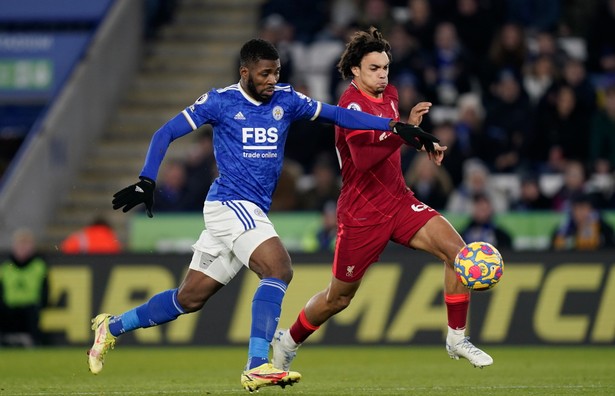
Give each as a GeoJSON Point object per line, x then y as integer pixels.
{"type": "Point", "coordinates": [249, 137]}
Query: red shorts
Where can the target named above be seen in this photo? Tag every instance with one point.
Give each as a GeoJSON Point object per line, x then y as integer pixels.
{"type": "Point", "coordinates": [357, 248]}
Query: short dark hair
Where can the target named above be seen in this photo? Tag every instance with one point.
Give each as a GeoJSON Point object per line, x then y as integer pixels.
{"type": "Point", "coordinates": [360, 44]}
{"type": "Point", "coordinates": [581, 198]}
{"type": "Point", "coordinates": [255, 50]}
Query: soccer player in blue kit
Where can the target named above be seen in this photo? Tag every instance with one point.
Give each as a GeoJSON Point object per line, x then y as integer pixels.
{"type": "Point", "coordinates": [250, 121]}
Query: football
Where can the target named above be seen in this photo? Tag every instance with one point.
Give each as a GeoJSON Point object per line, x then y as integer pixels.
{"type": "Point", "coordinates": [479, 266]}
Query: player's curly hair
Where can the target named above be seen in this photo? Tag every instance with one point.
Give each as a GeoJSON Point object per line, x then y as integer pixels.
{"type": "Point", "coordinates": [360, 44]}
{"type": "Point", "coordinates": [255, 50]}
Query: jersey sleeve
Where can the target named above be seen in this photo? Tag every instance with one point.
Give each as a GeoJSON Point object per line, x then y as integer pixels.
{"type": "Point", "coordinates": [304, 107]}
{"type": "Point", "coordinates": [368, 148]}
{"type": "Point", "coordinates": [205, 110]}
{"type": "Point", "coordinates": [351, 119]}
{"type": "Point", "coordinates": [200, 113]}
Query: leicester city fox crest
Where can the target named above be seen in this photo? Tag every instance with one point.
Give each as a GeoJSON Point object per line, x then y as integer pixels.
{"type": "Point", "coordinates": [277, 113]}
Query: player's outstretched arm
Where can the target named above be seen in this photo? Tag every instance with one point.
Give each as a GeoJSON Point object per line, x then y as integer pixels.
{"type": "Point", "coordinates": [142, 192]}
{"type": "Point", "coordinates": [353, 119]}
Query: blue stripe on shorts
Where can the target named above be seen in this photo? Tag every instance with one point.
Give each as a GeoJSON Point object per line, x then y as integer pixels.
{"type": "Point", "coordinates": [242, 214]}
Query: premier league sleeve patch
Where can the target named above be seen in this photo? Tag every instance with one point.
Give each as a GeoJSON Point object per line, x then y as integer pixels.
{"type": "Point", "coordinates": [202, 99]}
{"type": "Point", "coordinates": [354, 106]}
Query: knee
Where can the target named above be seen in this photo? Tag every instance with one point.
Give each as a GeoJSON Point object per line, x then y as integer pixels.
{"type": "Point", "coordinates": [282, 270]}
{"type": "Point", "coordinates": [190, 302]}
{"type": "Point", "coordinates": [285, 273]}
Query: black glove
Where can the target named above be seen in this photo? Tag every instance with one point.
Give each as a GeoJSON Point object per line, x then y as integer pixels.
{"type": "Point", "coordinates": [416, 137]}
{"type": "Point", "coordinates": [131, 196]}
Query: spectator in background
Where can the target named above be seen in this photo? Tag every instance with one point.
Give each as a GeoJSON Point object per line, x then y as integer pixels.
{"type": "Point", "coordinates": [24, 292]}
{"type": "Point", "coordinates": [421, 23]}
{"type": "Point", "coordinates": [431, 184]}
{"type": "Point", "coordinates": [575, 180]}
{"type": "Point", "coordinates": [407, 57]}
{"type": "Point", "coordinates": [575, 76]}
{"type": "Point", "coordinates": [476, 177]}
{"type": "Point", "coordinates": [601, 187]}
{"type": "Point", "coordinates": [446, 74]}
{"type": "Point", "coordinates": [98, 237]}
{"type": "Point", "coordinates": [601, 40]}
{"type": "Point", "coordinates": [170, 190]}
{"type": "Point", "coordinates": [324, 186]}
{"type": "Point", "coordinates": [409, 91]}
{"type": "Point", "coordinates": [583, 228]}
{"type": "Point", "coordinates": [534, 15]}
{"type": "Point", "coordinates": [307, 139]}
{"type": "Point", "coordinates": [576, 16]}
{"type": "Point", "coordinates": [602, 135]}
{"type": "Point", "coordinates": [201, 170]}
{"type": "Point", "coordinates": [508, 51]}
{"type": "Point", "coordinates": [540, 76]}
{"type": "Point", "coordinates": [275, 29]}
{"type": "Point", "coordinates": [531, 196]}
{"type": "Point", "coordinates": [482, 226]}
{"type": "Point", "coordinates": [342, 13]}
{"type": "Point", "coordinates": [545, 44]}
{"type": "Point", "coordinates": [475, 27]}
{"type": "Point", "coordinates": [455, 157]}
{"type": "Point", "coordinates": [508, 123]}
{"type": "Point", "coordinates": [472, 137]}
{"type": "Point", "coordinates": [556, 136]}
{"type": "Point", "coordinates": [286, 194]}
{"type": "Point", "coordinates": [307, 17]}
{"type": "Point", "coordinates": [323, 239]}
{"type": "Point", "coordinates": [337, 85]}
{"type": "Point", "coordinates": [376, 13]}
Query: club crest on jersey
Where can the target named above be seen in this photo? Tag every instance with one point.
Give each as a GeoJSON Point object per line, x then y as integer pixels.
{"type": "Point", "coordinates": [354, 106]}
{"type": "Point", "coordinates": [278, 113]}
{"type": "Point", "coordinates": [350, 271]}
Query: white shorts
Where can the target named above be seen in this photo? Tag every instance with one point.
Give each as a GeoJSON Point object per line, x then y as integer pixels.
{"type": "Point", "coordinates": [233, 230]}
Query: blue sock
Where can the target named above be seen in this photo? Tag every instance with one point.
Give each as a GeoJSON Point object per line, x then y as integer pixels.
{"type": "Point", "coordinates": [161, 308]}
{"type": "Point", "coordinates": [266, 308]}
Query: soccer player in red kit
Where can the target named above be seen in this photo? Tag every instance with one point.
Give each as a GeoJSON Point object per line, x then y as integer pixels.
{"type": "Point", "coordinates": [376, 206]}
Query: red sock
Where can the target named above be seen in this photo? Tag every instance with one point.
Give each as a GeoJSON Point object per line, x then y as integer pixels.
{"type": "Point", "coordinates": [457, 310]}
{"type": "Point", "coordinates": [302, 328]}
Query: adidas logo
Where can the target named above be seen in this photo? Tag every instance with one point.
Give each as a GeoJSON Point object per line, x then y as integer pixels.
{"type": "Point", "coordinates": [239, 116]}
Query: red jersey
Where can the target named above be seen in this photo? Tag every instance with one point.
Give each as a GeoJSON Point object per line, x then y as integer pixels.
{"type": "Point", "coordinates": [370, 161]}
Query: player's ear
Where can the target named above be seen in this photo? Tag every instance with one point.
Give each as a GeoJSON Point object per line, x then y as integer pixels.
{"type": "Point", "coordinates": [244, 72]}
{"type": "Point", "coordinates": [355, 70]}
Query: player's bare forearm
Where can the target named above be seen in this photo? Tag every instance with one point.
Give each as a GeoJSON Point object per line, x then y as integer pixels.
{"type": "Point", "coordinates": [418, 111]}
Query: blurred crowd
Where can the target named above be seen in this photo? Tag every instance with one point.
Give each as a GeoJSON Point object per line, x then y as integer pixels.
{"type": "Point", "coordinates": [523, 94]}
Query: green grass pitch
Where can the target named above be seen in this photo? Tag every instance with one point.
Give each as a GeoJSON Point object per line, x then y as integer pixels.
{"type": "Point", "coordinates": [412, 370]}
